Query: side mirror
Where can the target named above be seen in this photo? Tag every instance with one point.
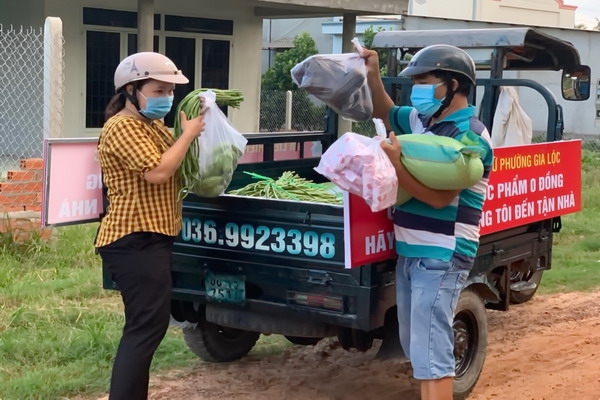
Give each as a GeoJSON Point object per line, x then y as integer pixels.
{"type": "Point", "coordinates": [576, 83]}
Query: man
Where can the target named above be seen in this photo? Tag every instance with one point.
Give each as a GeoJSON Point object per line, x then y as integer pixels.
{"type": "Point", "coordinates": [437, 231]}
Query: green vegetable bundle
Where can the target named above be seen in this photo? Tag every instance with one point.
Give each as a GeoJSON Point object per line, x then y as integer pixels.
{"type": "Point", "coordinates": [207, 170]}
{"type": "Point", "coordinates": [289, 186]}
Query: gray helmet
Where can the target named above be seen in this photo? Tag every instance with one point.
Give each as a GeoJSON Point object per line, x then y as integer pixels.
{"type": "Point", "coordinates": [441, 57]}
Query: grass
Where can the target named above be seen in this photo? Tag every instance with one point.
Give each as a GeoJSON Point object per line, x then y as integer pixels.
{"type": "Point", "coordinates": [576, 251]}
{"type": "Point", "coordinates": [59, 329]}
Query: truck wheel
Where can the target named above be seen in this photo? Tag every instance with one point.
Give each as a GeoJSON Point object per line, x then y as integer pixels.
{"type": "Point", "coordinates": [303, 341]}
{"type": "Point", "coordinates": [470, 342]}
{"type": "Point", "coordinates": [214, 343]}
{"type": "Point", "coordinates": [530, 280]}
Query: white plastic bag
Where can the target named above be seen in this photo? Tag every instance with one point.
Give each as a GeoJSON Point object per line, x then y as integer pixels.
{"type": "Point", "coordinates": [358, 164]}
{"type": "Point", "coordinates": [220, 148]}
{"type": "Point", "coordinates": [339, 80]}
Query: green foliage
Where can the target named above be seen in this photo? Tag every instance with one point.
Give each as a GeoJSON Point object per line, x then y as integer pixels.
{"type": "Point", "coordinates": [576, 252]}
{"type": "Point", "coordinates": [278, 76]}
{"type": "Point", "coordinates": [368, 38]}
{"type": "Point", "coordinates": [277, 80]}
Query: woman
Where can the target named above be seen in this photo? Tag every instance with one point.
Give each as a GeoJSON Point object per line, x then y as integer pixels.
{"type": "Point", "coordinates": [139, 158]}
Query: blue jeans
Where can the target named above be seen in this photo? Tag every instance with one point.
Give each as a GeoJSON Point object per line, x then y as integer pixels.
{"type": "Point", "coordinates": [427, 292]}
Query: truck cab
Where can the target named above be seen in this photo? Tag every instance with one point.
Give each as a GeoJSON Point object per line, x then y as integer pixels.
{"type": "Point", "coordinates": [243, 266]}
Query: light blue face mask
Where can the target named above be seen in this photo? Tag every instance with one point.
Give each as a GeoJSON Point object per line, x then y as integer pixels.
{"type": "Point", "coordinates": [156, 107]}
{"type": "Point", "coordinates": [423, 99]}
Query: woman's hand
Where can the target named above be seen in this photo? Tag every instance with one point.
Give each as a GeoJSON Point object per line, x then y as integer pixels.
{"type": "Point", "coordinates": [192, 127]}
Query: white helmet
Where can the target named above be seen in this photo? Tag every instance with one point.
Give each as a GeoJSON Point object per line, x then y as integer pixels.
{"type": "Point", "coordinates": [147, 65]}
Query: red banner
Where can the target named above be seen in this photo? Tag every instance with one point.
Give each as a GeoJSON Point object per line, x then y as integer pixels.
{"type": "Point", "coordinates": [369, 236]}
{"type": "Point", "coordinates": [528, 183]}
{"type": "Point", "coordinates": [532, 183]}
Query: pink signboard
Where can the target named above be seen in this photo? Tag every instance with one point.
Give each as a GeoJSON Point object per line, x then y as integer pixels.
{"type": "Point", "coordinates": [72, 188]}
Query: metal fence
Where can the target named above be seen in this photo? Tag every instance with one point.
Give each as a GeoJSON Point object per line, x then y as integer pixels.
{"type": "Point", "coordinates": [295, 110]}
{"type": "Point", "coordinates": [31, 99]}
{"type": "Point", "coordinates": [21, 95]}
{"type": "Point", "coordinates": [298, 111]}
{"type": "Point", "coordinates": [290, 110]}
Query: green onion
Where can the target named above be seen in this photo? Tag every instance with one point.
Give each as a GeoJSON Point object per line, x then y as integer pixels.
{"type": "Point", "coordinates": [191, 105]}
{"type": "Point", "coordinates": [289, 186]}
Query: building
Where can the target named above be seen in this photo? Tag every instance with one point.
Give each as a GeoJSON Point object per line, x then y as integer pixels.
{"type": "Point", "coordinates": [216, 44]}
{"type": "Point", "coordinates": [551, 13]}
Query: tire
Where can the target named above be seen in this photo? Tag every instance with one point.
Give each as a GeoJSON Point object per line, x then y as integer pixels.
{"type": "Point", "coordinates": [470, 342]}
{"type": "Point", "coordinates": [524, 297]}
{"type": "Point", "coordinates": [214, 343]}
{"type": "Point", "coordinates": [303, 341]}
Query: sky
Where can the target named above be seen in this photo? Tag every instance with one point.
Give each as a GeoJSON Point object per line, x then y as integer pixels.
{"type": "Point", "coordinates": [587, 11]}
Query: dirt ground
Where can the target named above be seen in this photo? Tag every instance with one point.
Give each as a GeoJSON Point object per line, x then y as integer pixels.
{"type": "Point", "coordinates": [548, 349]}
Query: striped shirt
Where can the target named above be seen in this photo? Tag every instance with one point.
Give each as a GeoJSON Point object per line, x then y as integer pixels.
{"type": "Point", "coordinates": [453, 231]}
{"type": "Point", "coordinates": [127, 148]}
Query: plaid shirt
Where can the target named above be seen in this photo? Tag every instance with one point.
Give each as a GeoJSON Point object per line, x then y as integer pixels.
{"type": "Point", "coordinates": [127, 148]}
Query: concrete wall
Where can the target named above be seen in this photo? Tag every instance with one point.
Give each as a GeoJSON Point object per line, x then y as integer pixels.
{"type": "Point", "coordinates": [22, 12]}
{"type": "Point", "coordinates": [244, 62]}
{"type": "Point", "coordinates": [550, 13]}
{"type": "Point", "coordinates": [544, 12]}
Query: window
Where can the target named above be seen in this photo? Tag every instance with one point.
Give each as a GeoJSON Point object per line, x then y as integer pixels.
{"type": "Point", "coordinates": [182, 51]}
{"type": "Point", "coordinates": [102, 56]}
{"type": "Point", "coordinates": [132, 44]}
{"type": "Point", "coordinates": [116, 18]}
{"type": "Point", "coordinates": [198, 25]}
{"type": "Point", "coordinates": [111, 35]}
{"type": "Point", "coordinates": [215, 63]}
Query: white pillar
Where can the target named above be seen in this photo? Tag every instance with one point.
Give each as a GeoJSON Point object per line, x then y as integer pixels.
{"type": "Point", "coordinates": [288, 110]}
{"type": "Point", "coordinates": [145, 25]}
{"type": "Point", "coordinates": [53, 78]}
{"type": "Point", "coordinates": [348, 33]}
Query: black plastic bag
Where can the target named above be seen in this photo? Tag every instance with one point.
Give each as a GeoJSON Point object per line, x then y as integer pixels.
{"type": "Point", "coordinates": [340, 81]}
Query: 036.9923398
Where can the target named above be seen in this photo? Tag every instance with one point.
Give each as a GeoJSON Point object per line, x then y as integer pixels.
{"type": "Point", "coordinates": [310, 242]}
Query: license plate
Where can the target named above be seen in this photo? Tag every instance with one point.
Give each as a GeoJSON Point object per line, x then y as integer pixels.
{"type": "Point", "coordinates": [225, 288]}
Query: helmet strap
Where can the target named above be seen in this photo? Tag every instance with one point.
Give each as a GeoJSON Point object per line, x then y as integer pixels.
{"type": "Point", "coordinates": [447, 100]}
{"type": "Point", "coordinates": [132, 97]}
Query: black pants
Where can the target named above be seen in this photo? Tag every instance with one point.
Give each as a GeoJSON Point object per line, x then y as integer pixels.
{"type": "Point", "coordinates": [140, 264]}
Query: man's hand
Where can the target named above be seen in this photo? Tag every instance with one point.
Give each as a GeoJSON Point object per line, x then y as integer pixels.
{"type": "Point", "coordinates": [372, 62]}
{"type": "Point", "coordinates": [393, 150]}
{"type": "Point", "coordinates": [382, 103]}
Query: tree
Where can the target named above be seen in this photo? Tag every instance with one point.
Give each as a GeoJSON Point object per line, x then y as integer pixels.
{"type": "Point", "coordinates": [278, 76]}
{"type": "Point", "coordinates": [368, 38]}
{"type": "Point", "coordinates": [277, 80]}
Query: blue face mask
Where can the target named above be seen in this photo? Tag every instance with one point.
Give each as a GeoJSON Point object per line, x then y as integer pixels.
{"type": "Point", "coordinates": [423, 99]}
{"type": "Point", "coordinates": [156, 107]}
